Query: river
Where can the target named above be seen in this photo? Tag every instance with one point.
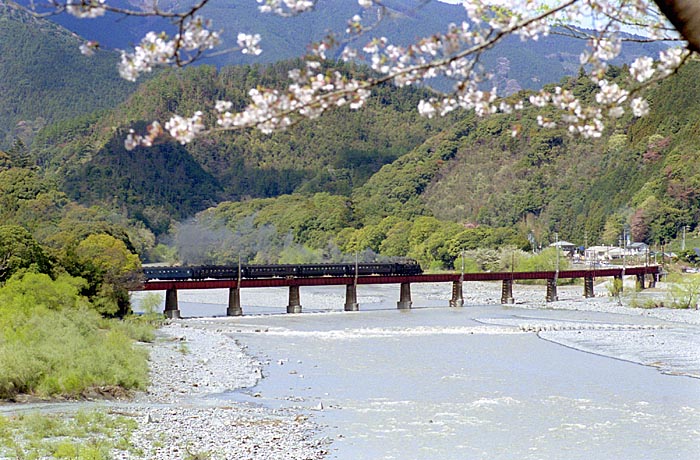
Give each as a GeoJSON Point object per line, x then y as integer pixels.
{"type": "Point", "coordinates": [484, 381]}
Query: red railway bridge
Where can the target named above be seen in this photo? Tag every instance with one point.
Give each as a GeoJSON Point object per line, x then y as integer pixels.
{"type": "Point", "coordinates": [643, 274]}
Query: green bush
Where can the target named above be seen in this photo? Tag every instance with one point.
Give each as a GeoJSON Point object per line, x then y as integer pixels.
{"type": "Point", "coordinates": [546, 260]}
{"type": "Point", "coordinates": [54, 343]}
{"type": "Point", "coordinates": [470, 265]}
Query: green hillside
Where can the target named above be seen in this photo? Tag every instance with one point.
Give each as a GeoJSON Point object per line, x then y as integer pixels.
{"type": "Point", "coordinates": [44, 78]}
{"type": "Point", "coordinates": [335, 154]}
{"type": "Point", "coordinates": [643, 173]}
{"type": "Point", "coordinates": [400, 184]}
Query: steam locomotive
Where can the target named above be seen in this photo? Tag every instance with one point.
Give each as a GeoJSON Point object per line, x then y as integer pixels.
{"type": "Point", "coordinates": [410, 267]}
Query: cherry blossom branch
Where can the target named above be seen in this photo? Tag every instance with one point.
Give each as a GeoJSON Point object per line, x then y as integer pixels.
{"type": "Point", "coordinates": [455, 55]}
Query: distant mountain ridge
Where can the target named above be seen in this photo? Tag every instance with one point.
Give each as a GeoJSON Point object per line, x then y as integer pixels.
{"type": "Point", "coordinates": [44, 78]}
{"type": "Point", "coordinates": [526, 65]}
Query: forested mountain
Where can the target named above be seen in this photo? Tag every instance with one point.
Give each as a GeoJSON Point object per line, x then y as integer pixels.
{"type": "Point", "coordinates": [384, 178]}
{"type": "Point", "coordinates": [44, 78]}
{"type": "Point", "coordinates": [335, 153]}
{"type": "Point", "coordinates": [643, 173]}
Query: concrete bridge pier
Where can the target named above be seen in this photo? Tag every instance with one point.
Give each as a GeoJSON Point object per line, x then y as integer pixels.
{"type": "Point", "coordinates": [588, 287]}
{"type": "Point", "coordinates": [552, 290]}
{"type": "Point", "coordinates": [294, 302]}
{"type": "Point", "coordinates": [171, 309]}
{"type": "Point", "coordinates": [234, 302]}
{"type": "Point", "coordinates": [640, 282]}
{"type": "Point", "coordinates": [404, 302]}
{"type": "Point", "coordinates": [652, 281]}
{"type": "Point", "coordinates": [351, 298]}
{"type": "Point", "coordinates": [457, 296]}
{"type": "Point", "coordinates": [507, 292]}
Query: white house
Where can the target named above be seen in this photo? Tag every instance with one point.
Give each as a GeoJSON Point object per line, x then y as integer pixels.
{"type": "Point", "coordinates": [606, 253]}
{"type": "Point", "coordinates": [599, 253]}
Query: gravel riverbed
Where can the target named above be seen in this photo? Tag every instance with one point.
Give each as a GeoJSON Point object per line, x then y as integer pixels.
{"type": "Point", "coordinates": [181, 418]}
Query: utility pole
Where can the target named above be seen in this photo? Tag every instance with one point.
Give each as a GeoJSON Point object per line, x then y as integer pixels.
{"type": "Point", "coordinates": [624, 247]}
{"type": "Point", "coordinates": [356, 269]}
{"type": "Point", "coordinates": [556, 246]}
{"type": "Point", "coordinates": [683, 241]}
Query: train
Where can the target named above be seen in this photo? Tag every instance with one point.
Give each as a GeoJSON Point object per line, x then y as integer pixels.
{"type": "Point", "coordinates": [406, 268]}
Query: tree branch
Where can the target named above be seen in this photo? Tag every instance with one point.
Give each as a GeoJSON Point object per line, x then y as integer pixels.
{"type": "Point", "coordinates": [685, 17]}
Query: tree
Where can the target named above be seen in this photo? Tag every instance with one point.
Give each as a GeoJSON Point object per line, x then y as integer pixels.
{"type": "Point", "coordinates": [614, 227]}
{"type": "Point", "coordinates": [5, 161]}
{"type": "Point", "coordinates": [454, 54]}
{"type": "Point", "coordinates": [639, 226]}
{"type": "Point", "coordinates": [690, 256]}
{"type": "Point", "coordinates": [18, 186]}
{"type": "Point", "coordinates": [396, 241]}
{"type": "Point", "coordinates": [19, 155]}
{"type": "Point", "coordinates": [111, 269]}
{"type": "Point", "coordinates": [19, 250]}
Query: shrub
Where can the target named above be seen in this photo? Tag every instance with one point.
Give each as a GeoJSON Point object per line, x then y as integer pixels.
{"type": "Point", "coordinates": [544, 261]}
{"type": "Point", "coordinates": [53, 343]}
{"type": "Point", "coordinates": [684, 291]}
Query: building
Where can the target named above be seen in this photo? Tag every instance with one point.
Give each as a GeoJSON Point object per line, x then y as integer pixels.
{"type": "Point", "coordinates": [637, 249]}
{"type": "Point", "coordinates": [567, 248]}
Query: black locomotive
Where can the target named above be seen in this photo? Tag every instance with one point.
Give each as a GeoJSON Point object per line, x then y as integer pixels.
{"type": "Point", "coordinates": [280, 271]}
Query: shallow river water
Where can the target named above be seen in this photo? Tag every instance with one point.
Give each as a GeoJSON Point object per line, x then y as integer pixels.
{"type": "Point", "coordinates": [478, 382]}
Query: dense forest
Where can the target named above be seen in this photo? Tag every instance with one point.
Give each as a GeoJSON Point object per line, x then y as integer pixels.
{"type": "Point", "coordinates": [473, 185]}
{"type": "Point", "coordinates": [642, 175]}
{"type": "Point", "coordinates": [170, 182]}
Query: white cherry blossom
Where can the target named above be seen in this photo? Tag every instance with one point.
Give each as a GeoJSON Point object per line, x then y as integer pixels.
{"type": "Point", "coordinates": [249, 43]}
{"type": "Point", "coordinates": [86, 8]}
{"type": "Point", "coordinates": [642, 69]}
{"type": "Point", "coordinates": [185, 129]}
{"type": "Point", "coordinates": [640, 107]}
{"type": "Point", "coordinates": [454, 54]}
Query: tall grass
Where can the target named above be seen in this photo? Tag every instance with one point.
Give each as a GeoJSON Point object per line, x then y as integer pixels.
{"type": "Point", "coordinates": [52, 342]}
{"type": "Point", "coordinates": [83, 436]}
